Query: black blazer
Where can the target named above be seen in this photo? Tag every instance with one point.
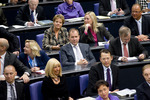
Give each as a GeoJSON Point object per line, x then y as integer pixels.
{"type": "Point", "coordinates": [97, 73]}
{"type": "Point", "coordinates": [3, 20]}
{"type": "Point", "coordinates": [24, 14]}
{"type": "Point", "coordinates": [143, 91]}
{"type": "Point", "coordinates": [134, 46]}
{"type": "Point", "coordinates": [105, 7]}
{"type": "Point", "coordinates": [131, 23]}
{"type": "Point", "coordinates": [19, 90]}
{"type": "Point", "coordinates": [68, 57]}
{"type": "Point", "coordinates": [12, 39]}
{"type": "Point", "coordinates": [11, 59]}
{"type": "Point", "coordinates": [102, 32]}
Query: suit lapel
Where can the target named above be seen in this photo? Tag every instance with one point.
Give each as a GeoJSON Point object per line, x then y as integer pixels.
{"type": "Point", "coordinates": [82, 50]}
{"type": "Point", "coordinates": [143, 25]}
{"type": "Point", "coordinates": [6, 61]}
{"type": "Point", "coordinates": [71, 51]}
{"type": "Point", "coordinates": [130, 48]}
{"type": "Point", "coordinates": [119, 47]}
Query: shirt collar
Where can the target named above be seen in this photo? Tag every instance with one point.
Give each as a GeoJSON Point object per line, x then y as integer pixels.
{"type": "Point", "coordinates": [3, 56]}
{"type": "Point", "coordinates": [13, 84]}
{"type": "Point", "coordinates": [67, 5]}
{"type": "Point", "coordinates": [121, 42]}
{"type": "Point", "coordinates": [148, 83]}
{"type": "Point", "coordinates": [140, 20]}
{"type": "Point", "coordinates": [105, 68]}
{"type": "Point", "coordinates": [74, 45]}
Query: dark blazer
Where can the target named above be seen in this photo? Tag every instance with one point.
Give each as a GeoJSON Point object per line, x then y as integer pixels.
{"type": "Point", "coordinates": [97, 73]}
{"type": "Point", "coordinates": [3, 20]}
{"type": "Point", "coordinates": [131, 23]}
{"type": "Point", "coordinates": [68, 57]}
{"type": "Point", "coordinates": [19, 90]}
{"type": "Point", "coordinates": [134, 46]}
{"type": "Point", "coordinates": [41, 61]}
{"type": "Point", "coordinates": [24, 14]}
{"type": "Point", "coordinates": [102, 32]}
{"type": "Point", "coordinates": [12, 39]}
{"type": "Point", "coordinates": [143, 91]}
{"type": "Point", "coordinates": [11, 59]}
{"type": "Point", "coordinates": [105, 7]}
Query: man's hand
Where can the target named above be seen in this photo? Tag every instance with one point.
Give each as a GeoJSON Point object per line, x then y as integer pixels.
{"type": "Point", "coordinates": [30, 24]}
{"type": "Point", "coordinates": [16, 53]}
{"type": "Point", "coordinates": [142, 37]}
{"type": "Point", "coordinates": [124, 59]}
{"type": "Point", "coordinates": [82, 62]}
{"type": "Point", "coordinates": [25, 78]}
{"type": "Point", "coordinates": [34, 69]}
{"type": "Point", "coordinates": [121, 12]}
{"type": "Point", "coordinates": [141, 56]}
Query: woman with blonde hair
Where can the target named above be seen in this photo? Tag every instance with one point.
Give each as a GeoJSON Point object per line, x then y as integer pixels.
{"type": "Point", "coordinates": [54, 84]}
{"type": "Point", "coordinates": [93, 32]}
{"type": "Point", "coordinates": [56, 35]}
{"type": "Point", "coordinates": [33, 57]}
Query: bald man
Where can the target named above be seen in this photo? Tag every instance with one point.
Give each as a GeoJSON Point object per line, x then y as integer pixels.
{"type": "Point", "coordinates": [9, 85]}
{"type": "Point", "coordinates": [30, 13]}
{"type": "Point", "coordinates": [138, 24]}
{"type": "Point", "coordinates": [7, 58]}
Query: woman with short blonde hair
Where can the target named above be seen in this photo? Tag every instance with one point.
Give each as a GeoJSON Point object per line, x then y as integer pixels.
{"type": "Point", "coordinates": [33, 57]}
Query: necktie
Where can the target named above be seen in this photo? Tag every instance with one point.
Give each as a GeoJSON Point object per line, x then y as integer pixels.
{"type": "Point", "coordinates": [78, 56]}
{"type": "Point", "coordinates": [0, 65]}
{"type": "Point", "coordinates": [12, 92]}
{"type": "Point", "coordinates": [31, 16]}
{"type": "Point", "coordinates": [125, 50]}
{"type": "Point", "coordinates": [113, 5]}
{"type": "Point", "coordinates": [108, 78]}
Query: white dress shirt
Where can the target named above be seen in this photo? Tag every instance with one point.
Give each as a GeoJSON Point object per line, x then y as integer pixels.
{"type": "Point", "coordinates": [139, 25]}
{"type": "Point", "coordinates": [9, 90]}
{"type": "Point", "coordinates": [2, 62]}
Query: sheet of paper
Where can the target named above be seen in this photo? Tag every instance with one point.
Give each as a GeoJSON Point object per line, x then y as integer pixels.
{"type": "Point", "coordinates": [75, 19]}
{"type": "Point", "coordinates": [126, 92]}
{"type": "Point", "coordinates": [18, 26]}
{"type": "Point", "coordinates": [87, 98]}
{"type": "Point", "coordinates": [103, 17]}
{"type": "Point", "coordinates": [3, 26]}
{"type": "Point", "coordinates": [102, 43]}
{"type": "Point", "coordinates": [40, 72]}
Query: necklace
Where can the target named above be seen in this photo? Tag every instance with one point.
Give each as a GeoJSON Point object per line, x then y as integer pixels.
{"type": "Point", "coordinates": [56, 79]}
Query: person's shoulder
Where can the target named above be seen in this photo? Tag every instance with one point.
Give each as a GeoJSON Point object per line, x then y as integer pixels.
{"type": "Point", "coordinates": [40, 7]}
{"type": "Point", "coordinates": [96, 66]}
{"type": "Point", "coordinates": [22, 55]}
{"type": "Point", "coordinates": [84, 44]}
{"type": "Point", "coordinates": [142, 85]}
{"type": "Point", "coordinates": [115, 40]}
{"type": "Point", "coordinates": [26, 6]}
{"type": "Point", "coordinates": [62, 4]}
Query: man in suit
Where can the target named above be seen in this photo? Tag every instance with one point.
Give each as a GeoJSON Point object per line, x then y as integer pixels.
{"type": "Point", "coordinates": [11, 89]}
{"type": "Point", "coordinates": [109, 7]}
{"type": "Point", "coordinates": [138, 24]}
{"type": "Point", "coordinates": [143, 90]}
{"type": "Point", "coordinates": [99, 72]}
{"type": "Point", "coordinates": [12, 39]}
{"type": "Point", "coordinates": [125, 46]}
{"type": "Point", "coordinates": [3, 20]}
{"type": "Point", "coordinates": [75, 53]}
{"type": "Point", "coordinates": [7, 58]}
{"type": "Point", "coordinates": [29, 14]}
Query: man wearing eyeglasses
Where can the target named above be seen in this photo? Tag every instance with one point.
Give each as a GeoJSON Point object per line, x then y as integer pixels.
{"type": "Point", "coordinates": [139, 24]}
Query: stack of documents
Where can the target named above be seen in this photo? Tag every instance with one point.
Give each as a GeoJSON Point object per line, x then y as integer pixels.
{"type": "Point", "coordinates": [45, 22]}
{"type": "Point", "coordinates": [126, 92]}
{"type": "Point", "coordinates": [103, 17]}
{"type": "Point", "coordinates": [75, 19]}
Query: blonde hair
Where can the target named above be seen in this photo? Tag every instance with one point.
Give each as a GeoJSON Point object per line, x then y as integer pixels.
{"type": "Point", "coordinates": [94, 20]}
{"type": "Point", "coordinates": [50, 66]}
{"type": "Point", "coordinates": [34, 47]}
{"type": "Point", "coordinates": [59, 16]}
{"type": "Point", "coordinates": [145, 67]}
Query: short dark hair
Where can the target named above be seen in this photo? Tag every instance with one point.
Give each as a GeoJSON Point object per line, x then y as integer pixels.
{"type": "Point", "coordinates": [72, 30]}
{"type": "Point", "coordinates": [100, 83]}
{"type": "Point", "coordinates": [104, 51]}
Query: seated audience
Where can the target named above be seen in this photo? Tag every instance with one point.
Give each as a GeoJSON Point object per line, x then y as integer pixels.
{"type": "Point", "coordinates": [138, 24]}
{"type": "Point", "coordinates": [12, 39]}
{"type": "Point", "coordinates": [33, 57]}
{"type": "Point", "coordinates": [110, 7]}
{"type": "Point", "coordinates": [102, 88]}
{"type": "Point", "coordinates": [3, 20]}
{"type": "Point", "coordinates": [103, 71]}
{"type": "Point", "coordinates": [143, 90]}
{"type": "Point", "coordinates": [70, 9]}
{"type": "Point", "coordinates": [54, 85]}
{"type": "Point", "coordinates": [29, 14]}
{"type": "Point", "coordinates": [75, 53]}
{"type": "Point", "coordinates": [125, 46]}
{"type": "Point", "coordinates": [56, 35]}
{"type": "Point", "coordinates": [93, 32]}
{"type": "Point", "coordinates": [11, 89]}
{"type": "Point", "coordinates": [7, 58]}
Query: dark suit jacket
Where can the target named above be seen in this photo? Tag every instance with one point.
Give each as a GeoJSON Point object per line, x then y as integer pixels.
{"type": "Point", "coordinates": [41, 61]}
{"type": "Point", "coordinates": [24, 14]}
{"type": "Point", "coordinates": [102, 32]}
{"type": "Point", "coordinates": [105, 7]}
{"type": "Point", "coordinates": [134, 46]}
{"type": "Point", "coordinates": [12, 39]}
{"type": "Point", "coordinates": [3, 20]}
{"type": "Point", "coordinates": [131, 23]}
{"type": "Point", "coordinates": [143, 91]}
{"type": "Point", "coordinates": [11, 59]}
{"type": "Point", "coordinates": [19, 90]}
{"type": "Point", "coordinates": [68, 57]}
{"type": "Point", "coordinates": [97, 73]}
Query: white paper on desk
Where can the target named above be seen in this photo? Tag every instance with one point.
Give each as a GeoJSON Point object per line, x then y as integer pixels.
{"type": "Point", "coordinates": [87, 98]}
{"type": "Point", "coordinates": [74, 19]}
{"type": "Point", "coordinates": [37, 24]}
{"type": "Point", "coordinates": [102, 43]}
{"type": "Point", "coordinates": [40, 72]}
{"type": "Point", "coordinates": [102, 17]}
{"type": "Point", "coordinates": [3, 26]}
{"type": "Point", "coordinates": [126, 92]}
{"type": "Point", "coordinates": [132, 59]}
{"type": "Point", "coordinates": [18, 26]}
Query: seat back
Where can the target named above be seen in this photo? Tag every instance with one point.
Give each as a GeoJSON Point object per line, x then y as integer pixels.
{"type": "Point", "coordinates": [83, 79]}
{"type": "Point", "coordinates": [135, 97]}
{"type": "Point", "coordinates": [19, 42]}
{"type": "Point", "coordinates": [96, 9]}
{"type": "Point", "coordinates": [35, 91]}
{"type": "Point", "coordinates": [39, 39]}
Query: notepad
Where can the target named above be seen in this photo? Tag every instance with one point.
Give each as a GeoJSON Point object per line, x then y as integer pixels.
{"type": "Point", "coordinates": [126, 92]}
{"type": "Point", "coordinates": [74, 19]}
{"type": "Point", "coordinates": [45, 22]}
